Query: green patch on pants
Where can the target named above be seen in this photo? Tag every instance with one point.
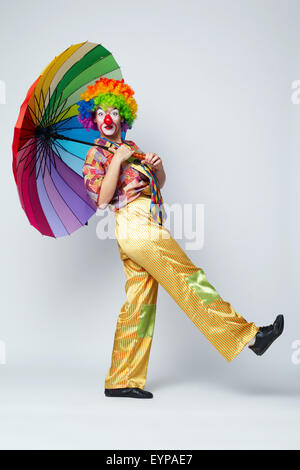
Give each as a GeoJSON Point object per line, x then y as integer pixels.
{"type": "Point", "coordinates": [146, 321]}
{"type": "Point", "coordinates": [202, 287]}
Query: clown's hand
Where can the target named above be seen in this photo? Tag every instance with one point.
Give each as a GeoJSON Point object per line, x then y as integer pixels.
{"type": "Point", "coordinates": [123, 153]}
{"type": "Point", "coordinates": [154, 161]}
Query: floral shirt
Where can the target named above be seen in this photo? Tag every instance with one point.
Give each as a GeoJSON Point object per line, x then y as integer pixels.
{"type": "Point", "coordinates": [131, 181]}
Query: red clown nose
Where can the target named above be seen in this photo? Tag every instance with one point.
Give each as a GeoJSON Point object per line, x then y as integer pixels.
{"type": "Point", "coordinates": [108, 119]}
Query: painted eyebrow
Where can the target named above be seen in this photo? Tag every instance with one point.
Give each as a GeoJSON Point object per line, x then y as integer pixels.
{"type": "Point", "coordinates": [103, 109]}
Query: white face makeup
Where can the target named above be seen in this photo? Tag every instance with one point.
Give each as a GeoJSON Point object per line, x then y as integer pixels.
{"type": "Point", "coordinates": [108, 121]}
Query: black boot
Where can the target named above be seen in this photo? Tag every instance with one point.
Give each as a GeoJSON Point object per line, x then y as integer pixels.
{"type": "Point", "coordinates": [131, 392]}
{"type": "Point", "coordinates": [266, 335]}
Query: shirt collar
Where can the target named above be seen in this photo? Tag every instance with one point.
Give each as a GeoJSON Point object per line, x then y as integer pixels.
{"type": "Point", "coordinates": [104, 142]}
{"type": "Point", "coordinates": [101, 141]}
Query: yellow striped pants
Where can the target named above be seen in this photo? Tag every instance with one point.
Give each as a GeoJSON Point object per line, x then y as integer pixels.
{"type": "Point", "coordinates": [151, 256]}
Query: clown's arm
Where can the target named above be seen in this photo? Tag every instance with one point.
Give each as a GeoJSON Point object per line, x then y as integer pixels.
{"type": "Point", "coordinates": [161, 176]}
{"type": "Point", "coordinates": [110, 181]}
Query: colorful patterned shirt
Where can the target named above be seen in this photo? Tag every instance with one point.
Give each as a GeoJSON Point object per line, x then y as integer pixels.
{"type": "Point", "coordinates": [130, 184]}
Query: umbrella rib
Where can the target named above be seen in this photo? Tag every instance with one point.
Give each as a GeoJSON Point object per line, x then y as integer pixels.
{"type": "Point", "coordinates": [26, 118]}
{"type": "Point", "coordinates": [40, 144]}
{"type": "Point", "coordinates": [46, 148]}
{"type": "Point", "coordinates": [50, 154]}
{"type": "Point", "coordinates": [26, 136]}
{"type": "Point", "coordinates": [43, 99]}
{"type": "Point", "coordinates": [63, 115]}
{"type": "Point", "coordinates": [40, 159]}
{"type": "Point", "coordinates": [29, 130]}
{"type": "Point", "coordinates": [44, 102]}
{"type": "Point", "coordinates": [59, 103]}
{"type": "Point", "coordinates": [51, 160]}
{"type": "Point", "coordinates": [54, 153]}
{"type": "Point", "coordinates": [36, 160]}
{"type": "Point", "coordinates": [60, 125]}
{"type": "Point", "coordinates": [33, 112]}
{"type": "Point", "coordinates": [55, 107]}
{"type": "Point", "coordinates": [32, 159]}
{"type": "Point", "coordinates": [54, 115]}
{"type": "Point", "coordinates": [41, 103]}
{"type": "Point", "coordinates": [59, 111]}
{"type": "Point", "coordinates": [26, 146]}
{"type": "Point", "coordinates": [50, 107]}
{"type": "Point", "coordinates": [38, 105]}
{"type": "Point", "coordinates": [26, 154]}
{"type": "Point", "coordinates": [46, 112]}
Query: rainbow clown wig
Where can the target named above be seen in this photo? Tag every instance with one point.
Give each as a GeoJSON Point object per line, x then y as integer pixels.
{"type": "Point", "coordinates": [107, 92]}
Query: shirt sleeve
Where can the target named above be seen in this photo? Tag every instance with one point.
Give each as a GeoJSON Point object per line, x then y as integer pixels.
{"type": "Point", "coordinates": [93, 174]}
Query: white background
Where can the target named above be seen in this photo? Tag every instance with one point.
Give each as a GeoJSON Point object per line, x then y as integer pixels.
{"type": "Point", "coordinates": [212, 80]}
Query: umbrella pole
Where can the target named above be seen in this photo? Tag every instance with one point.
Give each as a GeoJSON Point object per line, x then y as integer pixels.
{"type": "Point", "coordinates": [63, 137]}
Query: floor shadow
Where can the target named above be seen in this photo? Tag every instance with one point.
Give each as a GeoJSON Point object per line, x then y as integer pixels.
{"type": "Point", "coordinates": [234, 384]}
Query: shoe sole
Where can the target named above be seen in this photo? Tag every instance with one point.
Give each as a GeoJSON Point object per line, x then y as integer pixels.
{"type": "Point", "coordinates": [127, 395]}
{"type": "Point", "coordinates": [280, 320]}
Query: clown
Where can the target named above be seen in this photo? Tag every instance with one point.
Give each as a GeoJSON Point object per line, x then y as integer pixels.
{"type": "Point", "coordinates": [149, 253]}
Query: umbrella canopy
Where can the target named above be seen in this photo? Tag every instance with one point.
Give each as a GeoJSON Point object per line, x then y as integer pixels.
{"type": "Point", "coordinates": [49, 145]}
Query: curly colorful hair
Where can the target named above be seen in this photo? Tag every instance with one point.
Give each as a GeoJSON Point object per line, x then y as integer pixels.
{"type": "Point", "coordinates": [107, 92]}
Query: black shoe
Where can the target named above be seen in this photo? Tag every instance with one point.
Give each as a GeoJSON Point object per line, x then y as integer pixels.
{"type": "Point", "coordinates": [131, 392]}
{"type": "Point", "coordinates": [266, 335]}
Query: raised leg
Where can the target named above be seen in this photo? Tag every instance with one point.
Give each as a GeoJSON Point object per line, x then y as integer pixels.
{"type": "Point", "coordinates": [152, 247]}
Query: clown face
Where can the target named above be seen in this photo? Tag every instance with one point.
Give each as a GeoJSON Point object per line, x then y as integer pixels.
{"type": "Point", "coordinates": [109, 122]}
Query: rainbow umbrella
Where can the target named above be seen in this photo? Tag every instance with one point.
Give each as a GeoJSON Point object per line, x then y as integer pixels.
{"type": "Point", "coordinates": [50, 145]}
